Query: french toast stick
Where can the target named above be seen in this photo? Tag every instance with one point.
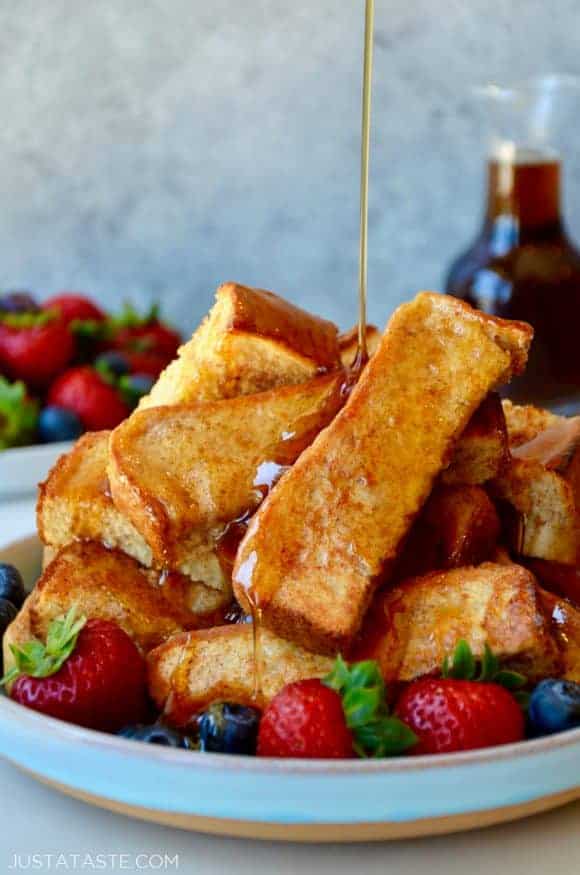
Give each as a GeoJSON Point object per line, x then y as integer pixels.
{"type": "Point", "coordinates": [108, 585]}
{"type": "Point", "coordinates": [482, 450]}
{"type": "Point", "coordinates": [410, 629]}
{"type": "Point", "coordinates": [331, 529]}
{"type": "Point", "coordinates": [458, 526]}
{"type": "Point", "coordinates": [192, 670]}
{"type": "Point", "coordinates": [524, 421]}
{"type": "Point", "coordinates": [187, 471]}
{"type": "Point", "coordinates": [546, 523]}
{"type": "Point", "coordinates": [75, 503]}
{"type": "Point", "coordinates": [252, 340]}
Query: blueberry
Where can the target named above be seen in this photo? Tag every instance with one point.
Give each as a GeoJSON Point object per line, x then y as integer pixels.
{"type": "Point", "coordinates": [554, 706]}
{"type": "Point", "coordinates": [18, 302]}
{"type": "Point", "coordinates": [156, 734]}
{"type": "Point", "coordinates": [57, 424]}
{"type": "Point", "coordinates": [7, 613]}
{"type": "Point", "coordinates": [112, 362]}
{"type": "Point", "coordinates": [11, 585]}
{"type": "Point", "coordinates": [229, 728]}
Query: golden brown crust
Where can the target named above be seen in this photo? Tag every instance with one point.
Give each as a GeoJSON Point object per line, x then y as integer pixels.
{"type": "Point", "coordinates": [458, 526]}
{"type": "Point", "coordinates": [251, 341]}
{"type": "Point", "coordinates": [189, 672]}
{"type": "Point", "coordinates": [262, 313]}
{"type": "Point", "coordinates": [544, 502]}
{"type": "Point", "coordinates": [525, 422]}
{"type": "Point", "coordinates": [482, 450]}
{"type": "Point", "coordinates": [184, 471]}
{"type": "Point", "coordinates": [108, 585]}
{"type": "Point", "coordinates": [340, 514]}
{"type": "Point", "coordinates": [154, 605]}
{"type": "Point", "coordinates": [411, 629]}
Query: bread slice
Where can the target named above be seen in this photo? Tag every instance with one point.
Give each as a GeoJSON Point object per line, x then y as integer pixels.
{"type": "Point", "coordinates": [348, 343]}
{"type": "Point", "coordinates": [251, 341]}
{"type": "Point", "coordinates": [525, 422]}
{"type": "Point", "coordinates": [75, 503]}
{"type": "Point", "coordinates": [565, 619]}
{"type": "Point", "coordinates": [411, 629]}
{"type": "Point", "coordinates": [482, 449]}
{"type": "Point", "coordinates": [190, 671]}
{"type": "Point", "coordinates": [546, 524]}
{"type": "Point", "coordinates": [458, 526]}
{"type": "Point", "coordinates": [332, 528]}
{"type": "Point", "coordinates": [185, 472]}
{"type": "Point", "coordinates": [108, 585]}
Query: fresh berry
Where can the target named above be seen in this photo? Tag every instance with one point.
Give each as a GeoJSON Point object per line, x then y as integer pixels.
{"type": "Point", "coordinates": [11, 585]}
{"type": "Point", "coordinates": [8, 613]}
{"type": "Point", "coordinates": [88, 673]}
{"type": "Point", "coordinates": [18, 415]}
{"type": "Point", "coordinates": [465, 709]}
{"type": "Point", "coordinates": [58, 424]}
{"type": "Point", "coordinates": [34, 348]}
{"type": "Point", "coordinates": [112, 362]}
{"type": "Point", "coordinates": [97, 404]}
{"type": "Point", "coordinates": [344, 714]}
{"type": "Point", "coordinates": [148, 343]}
{"type": "Point", "coordinates": [73, 307]}
{"type": "Point", "coordinates": [305, 720]}
{"type": "Point", "coordinates": [134, 386]}
{"type": "Point", "coordinates": [150, 363]}
{"type": "Point", "coordinates": [156, 734]}
{"type": "Point", "coordinates": [229, 728]}
{"type": "Point", "coordinates": [554, 706]}
{"type": "Point", "coordinates": [448, 715]}
{"type": "Point", "coordinates": [18, 302]}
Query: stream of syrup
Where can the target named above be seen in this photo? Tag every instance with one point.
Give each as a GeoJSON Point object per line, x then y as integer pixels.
{"type": "Point", "coordinates": [269, 472]}
{"type": "Point", "coordinates": [256, 599]}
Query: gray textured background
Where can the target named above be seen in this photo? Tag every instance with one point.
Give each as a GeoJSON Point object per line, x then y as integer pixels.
{"type": "Point", "coordinates": [153, 149]}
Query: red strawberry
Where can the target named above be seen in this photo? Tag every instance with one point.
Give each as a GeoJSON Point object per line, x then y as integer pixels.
{"type": "Point", "coordinates": [34, 348]}
{"type": "Point", "coordinates": [450, 715]}
{"type": "Point", "coordinates": [72, 306]}
{"type": "Point", "coordinates": [305, 720]}
{"type": "Point", "coordinates": [92, 675]}
{"type": "Point", "coordinates": [148, 343]}
{"type": "Point", "coordinates": [344, 714]}
{"type": "Point", "coordinates": [97, 404]}
{"type": "Point", "coordinates": [151, 337]}
{"type": "Point", "coordinates": [149, 363]}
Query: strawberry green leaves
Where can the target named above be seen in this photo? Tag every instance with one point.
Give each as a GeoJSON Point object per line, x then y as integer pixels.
{"type": "Point", "coordinates": [464, 666]}
{"type": "Point", "coordinates": [39, 660]}
{"type": "Point", "coordinates": [18, 414]}
{"type": "Point", "coordinates": [362, 689]}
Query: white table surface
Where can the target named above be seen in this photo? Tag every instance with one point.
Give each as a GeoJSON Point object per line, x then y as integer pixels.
{"type": "Point", "coordinates": [36, 820]}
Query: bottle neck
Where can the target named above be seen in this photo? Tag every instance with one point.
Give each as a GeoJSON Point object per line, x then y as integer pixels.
{"type": "Point", "coordinates": [525, 195]}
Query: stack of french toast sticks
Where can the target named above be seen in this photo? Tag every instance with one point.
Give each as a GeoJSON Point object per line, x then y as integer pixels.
{"type": "Point", "coordinates": [385, 514]}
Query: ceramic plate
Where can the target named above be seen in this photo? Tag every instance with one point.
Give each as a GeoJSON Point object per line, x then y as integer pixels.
{"type": "Point", "coordinates": [22, 469]}
{"type": "Point", "coordinates": [287, 799]}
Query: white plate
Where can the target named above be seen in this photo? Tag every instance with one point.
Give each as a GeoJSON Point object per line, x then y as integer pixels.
{"type": "Point", "coordinates": [301, 800]}
{"type": "Point", "coordinates": [23, 468]}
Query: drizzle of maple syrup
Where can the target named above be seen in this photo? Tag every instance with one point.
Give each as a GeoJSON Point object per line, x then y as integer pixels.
{"type": "Point", "coordinates": [256, 598]}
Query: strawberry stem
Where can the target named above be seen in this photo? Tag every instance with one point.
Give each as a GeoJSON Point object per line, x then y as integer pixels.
{"type": "Point", "coordinates": [362, 690]}
{"type": "Point", "coordinates": [39, 660]}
